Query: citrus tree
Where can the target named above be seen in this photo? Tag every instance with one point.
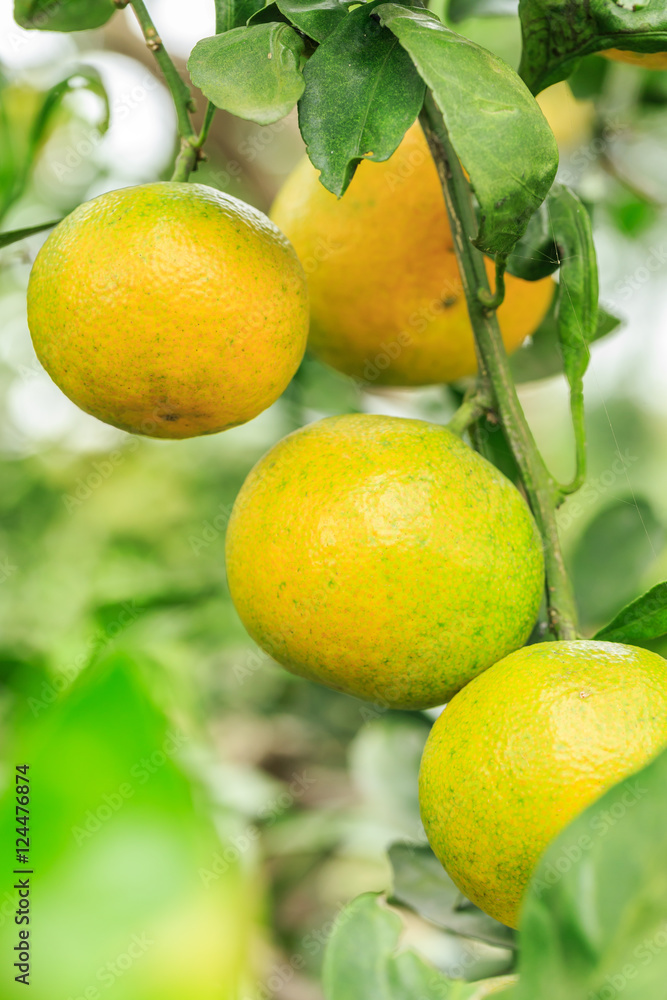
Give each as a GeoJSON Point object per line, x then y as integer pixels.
{"type": "Point", "coordinates": [403, 562]}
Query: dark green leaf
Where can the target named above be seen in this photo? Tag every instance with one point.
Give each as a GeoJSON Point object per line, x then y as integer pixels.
{"type": "Point", "coordinates": [253, 72]}
{"type": "Point", "coordinates": [376, 97]}
{"type": "Point", "coordinates": [492, 120]}
{"type": "Point", "coordinates": [421, 883]}
{"type": "Point", "coordinates": [360, 962]}
{"type": "Point", "coordinates": [234, 13]}
{"type": "Point", "coordinates": [63, 15]}
{"type": "Point", "coordinates": [316, 18]}
{"type": "Point", "coordinates": [459, 10]}
{"type": "Point", "coordinates": [21, 234]}
{"type": "Point", "coordinates": [556, 34]}
{"type": "Point", "coordinates": [593, 923]}
{"type": "Point", "coordinates": [542, 357]}
{"type": "Point", "coordinates": [613, 554]}
{"type": "Point", "coordinates": [268, 15]}
{"type": "Point", "coordinates": [644, 619]}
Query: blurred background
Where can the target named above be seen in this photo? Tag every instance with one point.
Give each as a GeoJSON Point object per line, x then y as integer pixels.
{"type": "Point", "coordinates": [200, 816]}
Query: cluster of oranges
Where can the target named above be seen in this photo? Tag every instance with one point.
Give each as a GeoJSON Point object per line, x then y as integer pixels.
{"type": "Point", "coordinates": [378, 555]}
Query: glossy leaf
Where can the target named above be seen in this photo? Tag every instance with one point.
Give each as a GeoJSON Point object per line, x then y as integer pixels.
{"type": "Point", "coordinates": [459, 10]}
{"type": "Point", "coordinates": [63, 15]}
{"type": "Point", "coordinates": [378, 95]}
{"type": "Point", "coordinates": [253, 72]}
{"type": "Point", "coordinates": [556, 34]}
{"type": "Point", "coordinates": [361, 961]}
{"type": "Point", "coordinates": [422, 884]}
{"type": "Point", "coordinates": [593, 923]}
{"type": "Point", "coordinates": [234, 13]}
{"type": "Point", "coordinates": [316, 18]}
{"type": "Point", "coordinates": [613, 554]}
{"type": "Point", "coordinates": [21, 234]}
{"type": "Point", "coordinates": [644, 619]}
{"type": "Point", "coordinates": [542, 357]}
{"type": "Point", "coordinates": [492, 120]}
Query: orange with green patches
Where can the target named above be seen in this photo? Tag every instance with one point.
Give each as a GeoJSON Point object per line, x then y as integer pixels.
{"type": "Point", "coordinates": [384, 558]}
{"type": "Point", "coordinates": [387, 303]}
{"type": "Point", "coordinates": [169, 309]}
{"type": "Point", "coordinates": [528, 746]}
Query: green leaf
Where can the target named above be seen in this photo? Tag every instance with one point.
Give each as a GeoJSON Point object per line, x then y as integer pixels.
{"type": "Point", "coordinates": [556, 34]}
{"type": "Point", "coordinates": [460, 10]}
{"type": "Point", "coordinates": [268, 15]}
{"type": "Point", "coordinates": [361, 963]}
{"type": "Point", "coordinates": [593, 922]}
{"type": "Point", "coordinates": [63, 15]}
{"type": "Point", "coordinates": [542, 357]}
{"type": "Point", "coordinates": [20, 234]}
{"type": "Point", "coordinates": [377, 96]}
{"type": "Point", "coordinates": [613, 554]}
{"type": "Point", "coordinates": [234, 13]}
{"type": "Point", "coordinates": [316, 18]}
{"type": "Point", "coordinates": [644, 619]}
{"type": "Point", "coordinates": [492, 119]}
{"type": "Point", "coordinates": [422, 884]}
{"type": "Point", "coordinates": [252, 72]}
{"type": "Point", "coordinates": [15, 165]}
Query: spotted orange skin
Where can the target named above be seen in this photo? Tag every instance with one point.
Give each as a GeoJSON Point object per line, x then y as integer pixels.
{"type": "Point", "coordinates": [387, 302]}
{"type": "Point", "coordinates": [525, 748]}
{"type": "Point", "coordinates": [647, 60]}
{"type": "Point", "coordinates": [365, 552]}
{"type": "Point", "coordinates": [168, 309]}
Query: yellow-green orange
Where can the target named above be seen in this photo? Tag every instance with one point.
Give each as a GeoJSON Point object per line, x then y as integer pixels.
{"type": "Point", "coordinates": [168, 309]}
{"type": "Point", "coordinates": [384, 558]}
{"type": "Point", "coordinates": [570, 118]}
{"type": "Point", "coordinates": [387, 303]}
{"type": "Point", "coordinates": [525, 748]}
{"type": "Point", "coordinates": [647, 60]}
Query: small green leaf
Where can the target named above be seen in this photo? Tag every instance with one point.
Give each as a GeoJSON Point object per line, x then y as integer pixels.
{"type": "Point", "coordinates": [556, 35]}
{"type": "Point", "coordinates": [644, 619]}
{"type": "Point", "coordinates": [612, 556]}
{"type": "Point", "coordinates": [492, 119]}
{"type": "Point", "coordinates": [316, 18]}
{"type": "Point", "coordinates": [253, 72]}
{"type": "Point", "coordinates": [360, 962]}
{"type": "Point", "coordinates": [593, 922]}
{"type": "Point", "coordinates": [63, 15]}
{"type": "Point", "coordinates": [234, 13]}
{"type": "Point", "coordinates": [421, 883]}
{"type": "Point", "coordinates": [459, 10]}
{"type": "Point", "coordinates": [20, 234]}
{"type": "Point", "coordinates": [542, 357]}
{"type": "Point", "coordinates": [377, 96]}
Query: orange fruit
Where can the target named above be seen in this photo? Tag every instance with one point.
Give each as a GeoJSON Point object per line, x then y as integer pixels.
{"type": "Point", "coordinates": [168, 309]}
{"type": "Point", "coordinates": [383, 557]}
{"type": "Point", "coordinates": [647, 60]}
{"type": "Point", "coordinates": [386, 299]}
{"type": "Point", "coordinates": [525, 748]}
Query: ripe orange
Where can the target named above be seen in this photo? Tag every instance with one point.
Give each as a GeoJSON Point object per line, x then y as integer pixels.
{"type": "Point", "coordinates": [383, 557]}
{"type": "Point", "coordinates": [387, 303]}
{"type": "Point", "coordinates": [525, 748]}
{"type": "Point", "coordinates": [168, 309]}
{"type": "Point", "coordinates": [647, 60]}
